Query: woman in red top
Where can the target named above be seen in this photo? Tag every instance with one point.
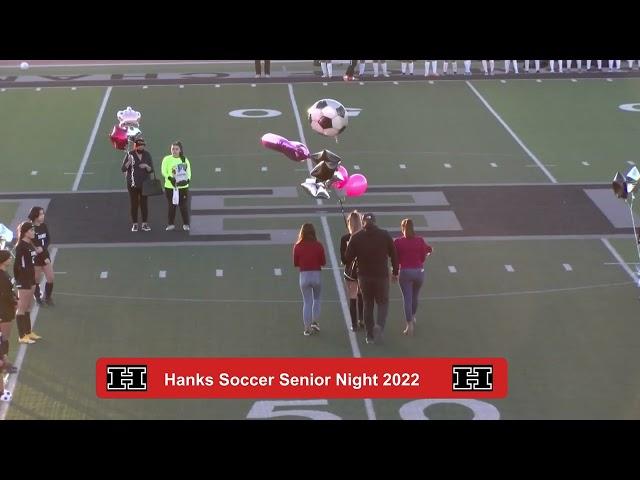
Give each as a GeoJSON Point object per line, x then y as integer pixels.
{"type": "Point", "coordinates": [308, 256]}
{"type": "Point", "coordinates": [412, 252]}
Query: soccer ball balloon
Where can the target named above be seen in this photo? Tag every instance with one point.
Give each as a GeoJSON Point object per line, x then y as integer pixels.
{"type": "Point", "coordinates": [328, 117]}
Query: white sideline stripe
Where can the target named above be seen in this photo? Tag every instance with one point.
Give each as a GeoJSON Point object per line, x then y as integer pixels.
{"type": "Point", "coordinates": [371, 414]}
{"type": "Point", "coordinates": [92, 139]}
{"type": "Point", "coordinates": [567, 267]}
{"type": "Point", "coordinates": [22, 350]}
{"type": "Point", "coordinates": [104, 275]}
{"type": "Point", "coordinates": [515, 137]}
{"type": "Point", "coordinates": [219, 273]}
{"type": "Point", "coordinates": [509, 268]}
{"type": "Point", "coordinates": [75, 173]}
{"type": "Point", "coordinates": [297, 301]}
{"type": "Point", "coordinates": [619, 258]}
{"type": "Point", "coordinates": [162, 274]}
{"type": "Point", "coordinates": [452, 269]}
{"type": "Point", "coordinates": [60, 273]}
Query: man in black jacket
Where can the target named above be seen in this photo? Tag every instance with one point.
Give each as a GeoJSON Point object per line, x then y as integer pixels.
{"type": "Point", "coordinates": [136, 166]}
{"type": "Point", "coordinates": [372, 246]}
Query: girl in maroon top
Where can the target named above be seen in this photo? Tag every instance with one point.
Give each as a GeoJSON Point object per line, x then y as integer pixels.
{"type": "Point", "coordinates": [412, 252]}
{"type": "Point", "coordinates": [308, 256]}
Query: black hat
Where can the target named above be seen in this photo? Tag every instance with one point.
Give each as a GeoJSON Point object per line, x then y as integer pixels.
{"type": "Point", "coordinates": [369, 218]}
{"type": "Point", "coordinates": [140, 141]}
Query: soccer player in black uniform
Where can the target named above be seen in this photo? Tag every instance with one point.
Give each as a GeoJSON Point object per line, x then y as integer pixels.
{"type": "Point", "coordinates": [8, 302]}
{"type": "Point", "coordinates": [24, 273]}
{"type": "Point", "coordinates": [43, 262]}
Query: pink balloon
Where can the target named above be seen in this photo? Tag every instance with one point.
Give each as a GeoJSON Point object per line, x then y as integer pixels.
{"type": "Point", "coordinates": [356, 185]}
{"type": "Point", "coordinates": [343, 171]}
{"type": "Point", "coordinates": [118, 137]}
{"type": "Point", "coordinates": [295, 151]}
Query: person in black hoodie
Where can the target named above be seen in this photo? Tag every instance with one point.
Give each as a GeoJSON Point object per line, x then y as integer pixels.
{"type": "Point", "coordinates": [137, 165]}
{"type": "Point", "coordinates": [24, 273]}
{"type": "Point", "coordinates": [43, 263]}
{"type": "Point", "coordinates": [371, 246]}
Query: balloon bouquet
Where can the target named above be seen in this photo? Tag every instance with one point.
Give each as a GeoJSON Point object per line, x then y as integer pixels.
{"type": "Point", "coordinates": [127, 130]}
{"type": "Point", "coordinates": [625, 187]}
{"type": "Point", "coordinates": [327, 117]}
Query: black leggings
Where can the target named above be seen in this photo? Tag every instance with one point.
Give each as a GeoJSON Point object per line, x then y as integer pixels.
{"type": "Point", "coordinates": [184, 205]}
{"type": "Point", "coordinates": [137, 199]}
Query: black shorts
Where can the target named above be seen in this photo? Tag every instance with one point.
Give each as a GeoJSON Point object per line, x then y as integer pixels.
{"type": "Point", "coordinates": [26, 283]}
{"type": "Point", "coordinates": [7, 315]}
{"type": "Point", "coordinates": [40, 259]}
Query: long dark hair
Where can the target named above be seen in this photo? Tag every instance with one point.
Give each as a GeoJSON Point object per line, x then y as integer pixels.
{"type": "Point", "coordinates": [307, 233]}
{"type": "Point", "coordinates": [178, 144]}
{"type": "Point", "coordinates": [34, 213]}
{"type": "Point", "coordinates": [23, 228]}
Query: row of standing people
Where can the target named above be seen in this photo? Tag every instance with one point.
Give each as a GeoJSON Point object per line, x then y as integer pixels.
{"type": "Point", "coordinates": [366, 251]}
{"type": "Point", "coordinates": [32, 261]}
{"type": "Point", "coordinates": [137, 166]}
{"type": "Point", "coordinates": [488, 67]}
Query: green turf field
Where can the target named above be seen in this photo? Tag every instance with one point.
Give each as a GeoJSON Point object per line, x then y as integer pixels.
{"type": "Point", "coordinates": [561, 311]}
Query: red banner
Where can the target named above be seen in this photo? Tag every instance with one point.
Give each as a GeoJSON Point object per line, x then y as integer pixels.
{"type": "Point", "coordinates": [301, 378]}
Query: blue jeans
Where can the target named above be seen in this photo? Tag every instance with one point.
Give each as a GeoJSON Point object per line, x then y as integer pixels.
{"type": "Point", "coordinates": [411, 280]}
{"type": "Point", "coordinates": [310, 286]}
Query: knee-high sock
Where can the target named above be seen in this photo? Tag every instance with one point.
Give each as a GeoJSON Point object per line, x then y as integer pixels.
{"type": "Point", "coordinates": [48, 289]}
{"type": "Point", "coordinates": [403, 67]}
{"type": "Point", "coordinates": [434, 65]}
{"type": "Point", "coordinates": [630, 63]}
{"type": "Point", "coordinates": [361, 67]}
{"type": "Point", "coordinates": [454, 66]}
{"type": "Point", "coordinates": [410, 68]}
{"type": "Point", "coordinates": [507, 66]}
{"type": "Point", "coordinates": [579, 63]}
{"type": "Point", "coordinates": [353, 309]}
{"type": "Point", "coordinates": [618, 62]}
{"type": "Point", "coordinates": [588, 64]}
{"type": "Point", "coordinates": [445, 67]}
{"type": "Point", "coordinates": [384, 69]}
{"type": "Point", "coordinates": [467, 66]}
{"type": "Point", "coordinates": [552, 65]}
{"type": "Point", "coordinates": [515, 66]}
{"type": "Point", "coordinates": [427, 64]}
{"type": "Point", "coordinates": [537, 62]}
{"type": "Point", "coordinates": [21, 321]}
{"type": "Point", "coordinates": [323, 66]}
{"type": "Point", "coordinates": [376, 66]}
{"type": "Point", "coordinates": [330, 69]}
{"type": "Point", "coordinates": [492, 65]}
{"type": "Point", "coordinates": [526, 65]}
{"type": "Point", "coordinates": [484, 66]}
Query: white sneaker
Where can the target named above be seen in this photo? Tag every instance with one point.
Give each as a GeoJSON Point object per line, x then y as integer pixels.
{"type": "Point", "coordinates": [134, 227]}
{"type": "Point", "coordinates": [170, 227]}
{"type": "Point", "coordinates": [267, 75]}
{"type": "Point", "coordinates": [186, 228]}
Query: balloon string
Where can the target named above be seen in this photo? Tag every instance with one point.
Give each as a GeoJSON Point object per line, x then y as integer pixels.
{"type": "Point", "coordinates": [345, 218]}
